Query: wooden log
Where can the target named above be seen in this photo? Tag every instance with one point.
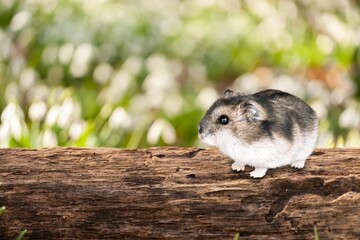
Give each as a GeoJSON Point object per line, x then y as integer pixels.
{"type": "Point", "coordinates": [175, 193]}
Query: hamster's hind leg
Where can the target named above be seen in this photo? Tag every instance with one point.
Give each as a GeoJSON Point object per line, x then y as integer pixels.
{"type": "Point", "coordinates": [300, 158]}
{"type": "Point", "coordinates": [305, 151]}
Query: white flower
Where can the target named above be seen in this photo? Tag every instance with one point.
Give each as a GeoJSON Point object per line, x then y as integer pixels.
{"type": "Point", "coordinates": [350, 118]}
{"type": "Point", "coordinates": [119, 118]}
{"type": "Point", "coordinates": [76, 129]}
{"type": "Point", "coordinates": [5, 135]}
{"type": "Point", "coordinates": [66, 52]}
{"type": "Point", "coordinates": [206, 98]}
{"type": "Point", "coordinates": [20, 20]}
{"type": "Point", "coordinates": [52, 115]}
{"type": "Point", "coordinates": [102, 73]}
{"type": "Point", "coordinates": [13, 116]}
{"type": "Point", "coordinates": [49, 139]}
{"type": "Point", "coordinates": [37, 111]}
{"type": "Point", "coordinates": [11, 110]}
{"type": "Point", "coordinates": [161, 128]}
{"type": "Point", "coordinates": [81, 59]}
{"type": "Point", "coordinates": [68, 112]}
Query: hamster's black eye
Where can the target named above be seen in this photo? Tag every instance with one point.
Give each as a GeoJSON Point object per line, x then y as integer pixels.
{"type": "Point", "coordinates": [223, 119]}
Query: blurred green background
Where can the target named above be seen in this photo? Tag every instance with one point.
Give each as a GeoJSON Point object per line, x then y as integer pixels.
{"type": "Point", "coordinates": [139, 73]}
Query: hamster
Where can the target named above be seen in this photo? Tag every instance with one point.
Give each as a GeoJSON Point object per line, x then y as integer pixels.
{"type": "Point", "coordinates": [268, 129]}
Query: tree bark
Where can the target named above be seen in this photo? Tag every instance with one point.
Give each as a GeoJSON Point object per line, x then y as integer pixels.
{"type": "Point", "coordinates": [175, 193]}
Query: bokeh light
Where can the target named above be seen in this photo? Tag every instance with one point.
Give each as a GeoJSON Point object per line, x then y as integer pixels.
{"type": "Point", "coordinates": [142, 73]}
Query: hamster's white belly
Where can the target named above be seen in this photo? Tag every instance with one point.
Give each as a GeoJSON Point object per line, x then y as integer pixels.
{"type": "Point", "coordinates": [268, 153]}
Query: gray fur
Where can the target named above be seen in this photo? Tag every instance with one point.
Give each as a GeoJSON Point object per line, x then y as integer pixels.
{"type": "Point", "coordinates": [265, 114]}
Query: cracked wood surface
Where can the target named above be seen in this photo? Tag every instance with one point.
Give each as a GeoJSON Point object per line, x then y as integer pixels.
{"type": "Point", "coordinates": [174, 193]}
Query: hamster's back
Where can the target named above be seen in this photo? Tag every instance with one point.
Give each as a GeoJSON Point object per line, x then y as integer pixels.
{"type": "Point", "coordinates": [292, 119]}
{"type": "Point", "coordinates": [285, 108]}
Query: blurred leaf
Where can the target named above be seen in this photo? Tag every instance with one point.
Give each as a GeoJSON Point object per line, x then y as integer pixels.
{"type": "Point", "coordinates": [2, 210]}
{"type": "Point", "coordinates": [21, 235]}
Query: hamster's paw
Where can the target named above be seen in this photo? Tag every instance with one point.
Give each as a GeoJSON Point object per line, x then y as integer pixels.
{"type": "Point", "coordinates": [298, 164]}
{"type": "Point", "coordinates": [238, 167]}
{"type": "Point", "coordinates": [258, 173]}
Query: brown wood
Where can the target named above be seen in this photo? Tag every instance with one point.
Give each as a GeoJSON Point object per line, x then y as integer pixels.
{"type": "Point", "coordinates": [174, 193]}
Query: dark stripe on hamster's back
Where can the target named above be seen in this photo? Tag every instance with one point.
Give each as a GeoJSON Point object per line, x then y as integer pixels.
{"type": "Point", "coordinates": [301, 113]}
{"type": "Point", "coordinates": [266, 128]}
{"type": "Point", "coordinates": [282, 126]}
{"type": "Point", "coordinates": [279, 121]}
{"type": "Point", "coordinates": [271, 93]}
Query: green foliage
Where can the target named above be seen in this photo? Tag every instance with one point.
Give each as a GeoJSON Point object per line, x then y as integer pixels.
{"type": "Point", "coordinates": [316, 234]}
{"type": "Point", "coordinates": [137, 74]}
{"type": "Point", "coordinates": [236, 237]}
{"type": "Point", "coordinates": [2, 210]}
{"type": "Point", "coordinates": [21, 235]}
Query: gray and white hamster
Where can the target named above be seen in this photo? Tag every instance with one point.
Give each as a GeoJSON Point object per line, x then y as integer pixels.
{"type": "Point", "coordinates": [268, 129]}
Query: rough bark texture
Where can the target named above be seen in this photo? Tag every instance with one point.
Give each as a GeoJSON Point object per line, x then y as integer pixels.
{"type": "Point", "coordinates": [175, 193]}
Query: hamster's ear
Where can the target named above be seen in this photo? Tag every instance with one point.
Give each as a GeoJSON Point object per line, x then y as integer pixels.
{"type": "Point", "coordinates": [253, 111]}
{"type": "Point", "coordinates": [229, 93]}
